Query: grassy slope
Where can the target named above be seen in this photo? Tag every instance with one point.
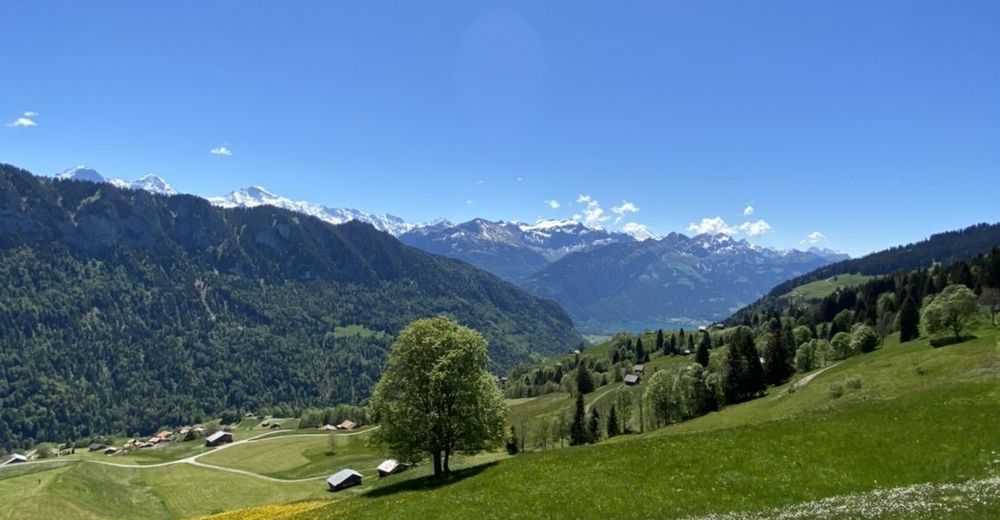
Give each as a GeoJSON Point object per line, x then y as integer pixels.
{"type": "Point", "coordinates": [920, 415]}
{"type": "Point", "coordinates": [76, 488]}
{"type": "Point", "coordinates": [821, 288]}
{"type": "Point", "coordinates": [296, 456]}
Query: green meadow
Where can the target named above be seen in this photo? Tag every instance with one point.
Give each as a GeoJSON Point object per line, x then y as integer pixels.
{"type": "Point", "coordinates": [901, 416]}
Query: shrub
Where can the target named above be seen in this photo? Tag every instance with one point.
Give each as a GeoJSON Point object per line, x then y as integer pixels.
{"type": "Point", "coordinates": [854, 384]}
{"type": "Point", "coordinates": [836, 391]}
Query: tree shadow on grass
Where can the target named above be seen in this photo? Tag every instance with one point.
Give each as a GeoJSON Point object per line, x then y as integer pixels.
{"type": "Point", "coordinates": [950, 340]}
{"type": "Point", "coordinates": [428, 483]}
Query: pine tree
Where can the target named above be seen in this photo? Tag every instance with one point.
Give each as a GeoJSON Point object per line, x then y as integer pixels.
{"type": "Point", "coordinates": [778, 366]}
{"type": "Point", "coordinates": [640, 351]}
{"type": "Point", "coordinates": [660, 344]}
{"type": "Point", "coordinates": [909, 320]}
{"type": "Point", "coordinates": [584, 381]}
{"type": "Point", "coordinates": [612, 422]}
{"type": "Point", "coordinates": [701, 356]}
{"type": "Point", "coordinates": [578, 430]}
{"type": "Point", "coordinates": [594, 432]}
{"type": "Point", "coordinates": [691, 342]}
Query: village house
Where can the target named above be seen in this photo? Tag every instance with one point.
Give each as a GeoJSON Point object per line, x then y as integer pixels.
{"type": "Point", "coordinates": [328, 427]}
{"type": "Point", "coordinates": [639, 369]}
{"type": "Point", "coordinates": [347, 425]}
{"type": "Point", "coordinates": [632, 379]}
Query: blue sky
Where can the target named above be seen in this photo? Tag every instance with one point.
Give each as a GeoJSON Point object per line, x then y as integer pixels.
{"type": "Point", "coordinates": [872, 123]}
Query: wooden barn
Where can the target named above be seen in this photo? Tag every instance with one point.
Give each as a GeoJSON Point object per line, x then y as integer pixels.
{"type": "Point", "coordinates": [218, 438]}
{"type": "Point", "coordinates": [388, 467]}
{"type": "Point", "coordinates": [343, 479]}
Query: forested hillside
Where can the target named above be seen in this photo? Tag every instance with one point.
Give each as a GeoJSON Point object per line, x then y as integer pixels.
{"type": "Point", "coordinates": [121, 310]}
{"type": "Point", "coordinates": [944, 248]}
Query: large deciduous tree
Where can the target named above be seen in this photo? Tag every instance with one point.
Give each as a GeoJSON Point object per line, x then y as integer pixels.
{"type": "Point", "coordinates": [953, 311]}
{"type": "Point", "coordinates": [435, 397]}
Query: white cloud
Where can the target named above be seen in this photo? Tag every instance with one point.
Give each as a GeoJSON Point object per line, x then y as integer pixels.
{"type": "Point", "coordinates": [221, 150]}
{"type": "Point", "coordinates": [519, 179]}
{"type": "Point", "coordinates": [25, 121]}
{"type": "Point", "coordinates": [625, 207]}
{"type": "Point", "coordinates": [753, 229]}
{"type": "Point", "coordinates": [593, 213]}
{"type": "Point", "coordinates": [814, 238]}
{"type": "Point", "coordinates": [480, 181]}
{"type": "Point", "coordinates": [747, 211]}
{"type": "Point", "coordinates": [554, 204]}
{"type": "Point", "coordinates": [468, 202]}
{"type": "Point", "coordinates": [717, 225]}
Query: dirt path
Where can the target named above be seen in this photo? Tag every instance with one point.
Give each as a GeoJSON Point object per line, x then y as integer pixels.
{"type": "Point", "coordinates": [805, 380]}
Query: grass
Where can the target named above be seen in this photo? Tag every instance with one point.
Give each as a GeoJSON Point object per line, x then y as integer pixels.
{"type": "Point", "coordinates": [822, 288]}
{"type": "Point", "coordinates": [919, 415]}
{"type": "Point", "coordinates": [908, 414]}
{"type": "Point", "coordinates": [298, 456]}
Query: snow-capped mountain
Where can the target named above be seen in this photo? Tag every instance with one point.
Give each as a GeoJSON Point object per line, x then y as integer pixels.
{"type": "Point", "coordinates": [259, 196]}
{"type": "Point", "coordinates": [510, 250]}
{"type": "Point", "coordinates": [149, 182]}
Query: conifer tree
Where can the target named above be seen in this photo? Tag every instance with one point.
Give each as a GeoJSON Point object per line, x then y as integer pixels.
{"type": "Point", "coordinates": [594, 431]}
{"type": "Point", "coordinates": [909, 320]}
{"type": "Point", "coordinates": [612, 422]}
{"type": "Point", "coordinates": [701, 355]}
{"type": "Point", "coordinates": [584, 381]}
{"type": "Point", "coordinates": [660, 342]}
{"type": "Point", "coordinates": [640, 351]}
{"type": "Point", "coordinates": [578, 430]}
{"type": "Point", "coordinates": [691, 342]}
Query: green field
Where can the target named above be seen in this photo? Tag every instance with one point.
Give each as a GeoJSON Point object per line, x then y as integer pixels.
{"type": "Point", "coordinates": [157, 483]}
{"type": "Point", "coordinates": [909, 414]}
{"type": "Point", "coordinates": [822, 288]}
{"type": "Point", "coordinates": [300, 456]}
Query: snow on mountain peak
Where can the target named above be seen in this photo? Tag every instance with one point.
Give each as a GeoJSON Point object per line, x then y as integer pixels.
{"type": "Point", "coordinates": [81, 173]}
{"type": "Point", "coordinates": [153, 183]}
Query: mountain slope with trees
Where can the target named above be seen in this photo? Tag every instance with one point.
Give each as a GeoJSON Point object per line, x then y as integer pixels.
{"type": "Point", "coordinates": [122, 310]}
{"type": "Point", "coordinates": [677, 281]}
{"type": "Point", "coordinates": [944, 248]}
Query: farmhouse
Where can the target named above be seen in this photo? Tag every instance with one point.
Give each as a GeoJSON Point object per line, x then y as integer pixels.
{"type": "Point", "coordinates": [388, 467]}
{"type": "Point", "coordinates": [347, 425]}
{"type": "Point", "coordinates": [14, 459]}
{"type": "Point", "coordinates": [343, 479]}
{"type": "Point", "coordinates": [218, 438]}
{"type": "Point", "coordinates": [111, 451]}
{"type": "Point", "coordinates": [328, 427]}
{"type": "Point", "coordinates": [632, 379]}
{"type": "Point", "coordinates": [639, 369]}
{"type": "Point", "coordinates": [96, 447]}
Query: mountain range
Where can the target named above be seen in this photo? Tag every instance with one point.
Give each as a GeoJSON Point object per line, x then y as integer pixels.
{"type": "Point", "coordinates": [133, 309]}
{"type": "Point", "coordinates": [607, 280]}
